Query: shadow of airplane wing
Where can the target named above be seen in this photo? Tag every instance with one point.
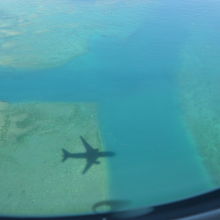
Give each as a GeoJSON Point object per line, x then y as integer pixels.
{"type": "Point", "coordinates": [87, 146]}
{"type": "Point", "coordinates": [88, 165]}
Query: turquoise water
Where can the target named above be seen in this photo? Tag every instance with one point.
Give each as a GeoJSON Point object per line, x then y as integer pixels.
{"type": "Point", "coordinates": [135, 78]}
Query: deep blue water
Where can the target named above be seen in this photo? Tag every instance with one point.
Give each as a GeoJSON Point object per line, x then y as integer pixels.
{"type": "Point", "coordinates": [135, 83]}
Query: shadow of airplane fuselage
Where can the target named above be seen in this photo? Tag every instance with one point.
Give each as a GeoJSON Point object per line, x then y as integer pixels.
{"type": "Point", "coordinates": [91, 155]}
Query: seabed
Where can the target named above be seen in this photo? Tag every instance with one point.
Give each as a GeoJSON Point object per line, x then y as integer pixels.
{"type": "Point", "coordinates": [34, 180]}
{"type": "Point", "coordinates": [200, 91]}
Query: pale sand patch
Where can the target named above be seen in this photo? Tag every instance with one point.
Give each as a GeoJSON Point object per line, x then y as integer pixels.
{"type": "Point", "coordinates": [9, 33]}
{"type": "Point", "coordinates": [34, 181]}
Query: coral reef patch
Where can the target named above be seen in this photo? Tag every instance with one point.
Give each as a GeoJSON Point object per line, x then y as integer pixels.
{"type": "Point", "coordinates": [34, 181]}
{"type": "Point", "coordinates": [48, 33]}
{"type": "Point", "coordinates": [199, 91]}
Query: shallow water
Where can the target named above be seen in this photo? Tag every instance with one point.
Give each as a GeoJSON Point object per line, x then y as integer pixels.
{"type": "Point", "coordinates": [143, 78]}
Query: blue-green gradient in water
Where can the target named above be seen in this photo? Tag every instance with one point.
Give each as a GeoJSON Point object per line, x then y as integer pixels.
{"type": "Point", "coordinates": [137, 82]}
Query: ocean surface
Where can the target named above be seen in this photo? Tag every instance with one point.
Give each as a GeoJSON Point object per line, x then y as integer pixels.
{"type": "Point", "coordinates": [138, 75]}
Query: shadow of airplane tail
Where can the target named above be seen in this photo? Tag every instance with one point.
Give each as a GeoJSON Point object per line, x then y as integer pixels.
{"type": "Point", "coordinates": [66, 155]}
